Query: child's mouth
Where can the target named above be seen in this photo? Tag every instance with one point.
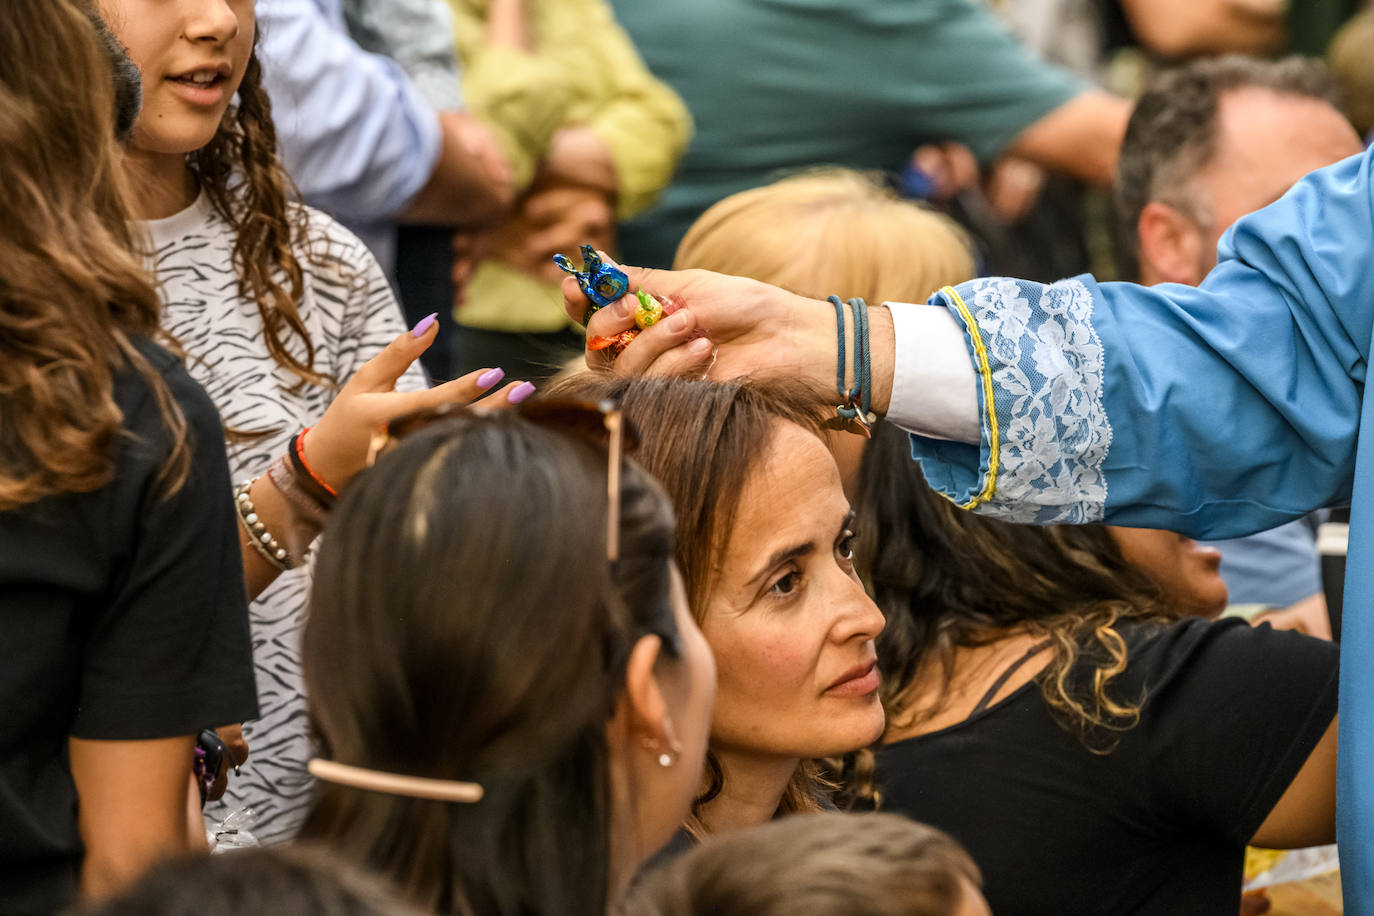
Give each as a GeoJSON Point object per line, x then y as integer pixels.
{"type": "Point", "coordinates": [199, 79]}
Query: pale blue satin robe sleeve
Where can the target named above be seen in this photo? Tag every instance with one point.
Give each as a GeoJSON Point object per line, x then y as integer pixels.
{"type": "Point", "coordinates": [1215, 411]}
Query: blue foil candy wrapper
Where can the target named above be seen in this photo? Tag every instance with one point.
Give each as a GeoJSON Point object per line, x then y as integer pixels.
{"type": "Point", "coordinates": [603, 283]}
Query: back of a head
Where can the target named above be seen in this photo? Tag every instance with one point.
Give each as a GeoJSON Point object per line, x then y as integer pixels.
{"type": "Point", "coordinates": [830, 231]}
{"type": "Point", "coordinates": [71, 288]}
{"type": "Point", "coordinates": [264, 882]}
{"type": "Point", "coordinates": [856, 864]}
{"type": "Point", "coordinates": [467, 625]}
{"type": "Point", "coordinates": [1172, 133]}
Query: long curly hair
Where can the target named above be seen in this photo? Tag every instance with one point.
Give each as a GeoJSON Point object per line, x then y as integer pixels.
{"type": "Point", "coordinates": [948, 579]}
{"type": "Point", "coordinates": [240, 172]}
{"type": "Point", "coordinates": [73, 293]}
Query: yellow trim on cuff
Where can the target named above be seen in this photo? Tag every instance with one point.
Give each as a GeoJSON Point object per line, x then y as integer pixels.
{"type": "Point", "coordinates": [994, 439]}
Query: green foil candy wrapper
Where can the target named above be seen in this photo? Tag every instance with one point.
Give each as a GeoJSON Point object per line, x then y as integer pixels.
{"type": "Point", "coordinates": [649, 310]}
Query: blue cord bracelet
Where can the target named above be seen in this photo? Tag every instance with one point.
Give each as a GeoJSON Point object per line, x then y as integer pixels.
{"type": "Point", "coordinates": [841, 343]}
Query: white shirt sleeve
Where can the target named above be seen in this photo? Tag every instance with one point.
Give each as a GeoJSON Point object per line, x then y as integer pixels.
{"type": "Point", "coordinates": [934, 386]}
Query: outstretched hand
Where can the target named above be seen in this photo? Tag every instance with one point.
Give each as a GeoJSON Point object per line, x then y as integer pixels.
{"type": "Point", "coordinates": [337, 446]}
{"type": "Point", "coordinates": [728, 327]}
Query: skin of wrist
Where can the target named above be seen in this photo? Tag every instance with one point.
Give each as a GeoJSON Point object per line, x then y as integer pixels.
{"type": "Point", "coordinates": [336, 477]}
{"type": "Point", "coordinates": [882, 351]}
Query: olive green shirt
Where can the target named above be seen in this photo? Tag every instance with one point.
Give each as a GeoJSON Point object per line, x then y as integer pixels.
{"type": "Point", "coordinates": [584, 71]}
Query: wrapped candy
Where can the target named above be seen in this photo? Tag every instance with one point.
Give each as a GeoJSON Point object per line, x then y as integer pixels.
{"type": "Point", "coordinates": [649, 310]}
{"type": "Point", "coordinates": [647, 313]}
{"type": "Point", "coordinates": [603, 283]}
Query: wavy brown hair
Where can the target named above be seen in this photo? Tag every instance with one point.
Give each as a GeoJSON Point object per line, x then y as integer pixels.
{"type": "Point", "coordinates": [240, 172]}
{"type": "Point", "coordinates": [703, 440]}
{"type": "Point", "coordinates": [948, 579]}
{"type": "Point", "coordinates": [72, 291]}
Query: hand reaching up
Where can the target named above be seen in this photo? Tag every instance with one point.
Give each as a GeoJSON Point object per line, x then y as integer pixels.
{"type": "Point", "coordinates": [336, 448]}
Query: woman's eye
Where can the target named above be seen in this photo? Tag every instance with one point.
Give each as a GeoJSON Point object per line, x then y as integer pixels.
{"type": "Point", "coordinates": [845, 548]}
{"type": "Point", "coordinates": [786, 585]}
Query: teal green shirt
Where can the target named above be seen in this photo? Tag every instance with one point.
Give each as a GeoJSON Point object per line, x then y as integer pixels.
{"type": "Point", "coordinates": [1313, 23]}
{"type": "Point", "coordinates": [778, 85]}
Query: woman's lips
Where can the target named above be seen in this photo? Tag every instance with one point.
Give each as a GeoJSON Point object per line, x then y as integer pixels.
{"type": "Point", "coordinates": [200, 91]}
{"type": "Point", "coordinates": [857, 682]}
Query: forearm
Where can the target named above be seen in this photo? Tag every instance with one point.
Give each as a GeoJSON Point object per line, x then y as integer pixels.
{"type": "Point", "coordinates": [578, 155]}
{"type": "Point", "coordinates": [290, 529]}
{"type": "Point", "coordinates": [468, 185]}
{"type": "Point", "coordinates": [508, 25]}
{"type": "Point", "coordinates": [132, 807]}
{"type": "Point", "coordinates": [1082, 137]}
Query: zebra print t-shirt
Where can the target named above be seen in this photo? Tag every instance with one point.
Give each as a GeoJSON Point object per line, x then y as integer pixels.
{"type": "Point", "coordinates": [351, 314]}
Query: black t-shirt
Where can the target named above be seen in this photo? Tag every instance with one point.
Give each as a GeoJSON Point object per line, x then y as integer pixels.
{"type": "Point", "coordinates": [1158, 825]}
{"type": "Point", "coordinates": [122, 617]}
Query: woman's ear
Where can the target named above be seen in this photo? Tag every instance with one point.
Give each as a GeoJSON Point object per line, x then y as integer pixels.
{"type": "Point", "coordinates": [643, 709]}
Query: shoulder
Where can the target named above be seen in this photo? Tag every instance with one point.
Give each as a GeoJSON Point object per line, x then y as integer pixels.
{"type": "Point", "coordinates": [1227, 658]}
{"type": "Point", "coordinates": [330, 248]}
{"type": "Point", "coordinates": [142, 413]}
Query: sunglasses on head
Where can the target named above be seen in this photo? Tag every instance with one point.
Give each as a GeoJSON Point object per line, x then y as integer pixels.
{"type": "Point", "coordinates": [584, 419]}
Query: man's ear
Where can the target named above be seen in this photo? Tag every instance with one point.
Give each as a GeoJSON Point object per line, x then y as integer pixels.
{"type": "Point", "coordinates": [1170, 246]}
{"type": "Point", "coordinates": [642, 708]}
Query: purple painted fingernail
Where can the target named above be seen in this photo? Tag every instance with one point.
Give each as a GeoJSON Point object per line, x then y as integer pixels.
{"type": "Point", "coordinates": [424, 325]}
{"type": "Point", "coordinates": [490, 377]}
{"type": "Point", "coordinates": [520, 392]}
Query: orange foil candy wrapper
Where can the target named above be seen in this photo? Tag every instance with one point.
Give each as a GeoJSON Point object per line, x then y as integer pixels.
{"type": "Point", "coordinates": [648, 312]}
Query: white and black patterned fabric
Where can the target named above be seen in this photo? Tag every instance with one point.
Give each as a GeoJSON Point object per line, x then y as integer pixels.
{"type": "Point", "coordinates": [351, 314]}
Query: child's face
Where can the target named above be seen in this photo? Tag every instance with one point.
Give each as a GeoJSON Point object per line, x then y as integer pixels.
{"type": "Point", "coordinates": [192, 54]}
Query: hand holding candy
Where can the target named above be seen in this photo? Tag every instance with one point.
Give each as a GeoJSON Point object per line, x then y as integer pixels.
{"type": "Point", "coordinates": [603, 284]}
{"type": "Point", "coordinates": [729, 327]}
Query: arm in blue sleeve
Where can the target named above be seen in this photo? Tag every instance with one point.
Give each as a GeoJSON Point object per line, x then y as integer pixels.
{"type": "Point", "coordinates": [356, 136]}
{"type": "Point", "coordinates": [1215, 411]}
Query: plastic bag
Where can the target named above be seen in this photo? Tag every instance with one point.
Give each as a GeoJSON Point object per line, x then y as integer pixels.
{"type": "Point", "coordinates": [234, 832]}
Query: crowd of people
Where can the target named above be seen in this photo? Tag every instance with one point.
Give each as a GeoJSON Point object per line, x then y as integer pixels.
{"type": "Point", "coordinates": [344, 568]}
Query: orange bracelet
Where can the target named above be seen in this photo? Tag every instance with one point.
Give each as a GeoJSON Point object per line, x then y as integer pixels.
{"type": "Point", "coordinates": [299, 449]}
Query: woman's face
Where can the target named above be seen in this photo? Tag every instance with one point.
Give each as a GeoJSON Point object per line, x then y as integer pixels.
{"type": "Point", "coordinates": [1185, 571]}
{"type": "Point", "coordinates": [788, 620]}
{"type": "Point", "coordinates": [192, 54]}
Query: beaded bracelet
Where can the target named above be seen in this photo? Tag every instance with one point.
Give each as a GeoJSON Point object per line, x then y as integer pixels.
{"type": "Point", "coordinates": [258, 535]}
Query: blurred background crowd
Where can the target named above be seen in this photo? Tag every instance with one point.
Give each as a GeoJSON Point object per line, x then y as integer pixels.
{"type": "Point", "coordinates": [254, 233]}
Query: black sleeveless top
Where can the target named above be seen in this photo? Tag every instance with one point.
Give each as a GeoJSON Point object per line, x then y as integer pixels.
{"type": "Point", "coordinates": [1159, 824]}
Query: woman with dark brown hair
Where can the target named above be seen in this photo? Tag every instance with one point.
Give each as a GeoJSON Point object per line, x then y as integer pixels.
{"type": "Point", "coordinates": [504, 675]}
{"type": "Point", "coordinates": [764, 538]}
{"type": "Point", "coordinates": [287, 321]}
{"type": "Point", "coordinates": [1063, 712]}
{"type": "Point", "coordinates": [122, 617]}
